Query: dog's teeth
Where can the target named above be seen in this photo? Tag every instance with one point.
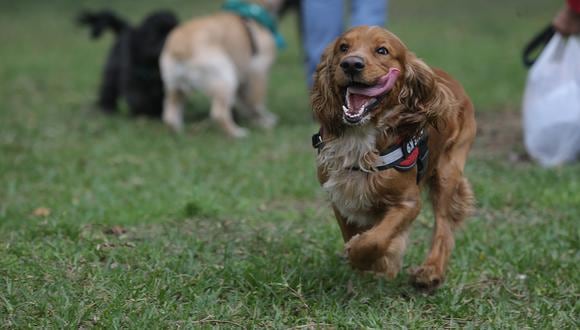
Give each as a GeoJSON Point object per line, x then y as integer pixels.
{"type": "Point", "coordinates": [344, 108]}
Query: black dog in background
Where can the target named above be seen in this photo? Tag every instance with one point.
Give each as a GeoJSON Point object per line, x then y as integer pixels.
{"type": "Point", "coordinates": [132, 68]}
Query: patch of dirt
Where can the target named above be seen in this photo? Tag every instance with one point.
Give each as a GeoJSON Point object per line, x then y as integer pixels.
{"type": "Point", "coordinates": [499, 135]}
{"type": "Point", "coordinates": [41, 212]}
{"type": "Point", "coordinates": [115, 230]}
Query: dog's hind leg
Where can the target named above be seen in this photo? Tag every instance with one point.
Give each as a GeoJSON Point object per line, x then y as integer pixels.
{"type": "Point", "coordinates": [452, 200]}
{"type": "Point", "coordinates": [392, 260]}
{"type": "Point", "coordinates": [174, 98]}
{"type": "Point", "coordinates": [221, 111]}
{"type": "Point", "coordinates": [253, 96]}
{"type": "Point", "coordinates": [222, 86]}
{"type": "Point", "coordinates": [381, 248]}
{"type": "Point", "coordinates": [173, 109]}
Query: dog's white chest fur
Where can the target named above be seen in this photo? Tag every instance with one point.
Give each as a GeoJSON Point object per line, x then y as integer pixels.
{"type": "Point", "coordinates": [350, 191]}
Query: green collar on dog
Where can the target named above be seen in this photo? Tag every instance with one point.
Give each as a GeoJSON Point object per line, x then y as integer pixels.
{"type": "Point", "coordinates": [257, 13]}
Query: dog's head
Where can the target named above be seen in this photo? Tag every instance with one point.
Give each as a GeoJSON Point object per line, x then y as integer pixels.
{"type": "Point", "coordinates": [367, 76]}
{"type": "Point", "coordinates": [148, 38]}
{"type": "Point", "coordinates": [157, 25]}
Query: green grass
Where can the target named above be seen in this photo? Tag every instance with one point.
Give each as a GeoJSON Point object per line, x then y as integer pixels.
{"type": "Point", "coordinates": [148, 229]}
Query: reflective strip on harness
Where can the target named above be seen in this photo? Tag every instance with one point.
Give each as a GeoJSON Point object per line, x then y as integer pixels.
{"type": "Point", "coordinates": [390, 158]}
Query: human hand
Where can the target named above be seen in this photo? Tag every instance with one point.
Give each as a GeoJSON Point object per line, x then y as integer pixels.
{"type": "Point", "coordinates": [567, 22]}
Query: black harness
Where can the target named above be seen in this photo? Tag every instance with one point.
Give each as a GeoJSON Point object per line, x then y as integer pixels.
{"type": "Point", "coordinates": [252, 39]}
{"type": "Point", "coordinates": [402, 156]}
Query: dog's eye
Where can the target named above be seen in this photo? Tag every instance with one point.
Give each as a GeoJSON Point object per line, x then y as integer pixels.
{"type": "Point", "coordinates": [343, 48]}
{"type": "Point", "coordinates": [382, 51]}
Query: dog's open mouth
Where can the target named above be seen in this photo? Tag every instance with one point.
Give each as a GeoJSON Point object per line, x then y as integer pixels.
{"type": "Point", "coordinates": [361, 99]}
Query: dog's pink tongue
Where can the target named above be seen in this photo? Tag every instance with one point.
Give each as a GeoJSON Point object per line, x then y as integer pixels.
{"type": "Point", "coordinates": [384, 85]}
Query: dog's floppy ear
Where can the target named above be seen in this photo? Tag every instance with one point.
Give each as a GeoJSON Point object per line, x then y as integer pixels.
{"type": "Point", "coordinates": [325, 97]}
{"type": "Point", "coordinates": [421, 92]}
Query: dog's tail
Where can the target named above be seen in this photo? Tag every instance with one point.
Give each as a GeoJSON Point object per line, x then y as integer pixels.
{"type": "Point", "coordinates": [101, 21]}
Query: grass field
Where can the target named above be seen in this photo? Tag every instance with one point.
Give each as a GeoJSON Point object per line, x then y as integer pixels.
{"type": "Point", "coordinates": [111, 222]}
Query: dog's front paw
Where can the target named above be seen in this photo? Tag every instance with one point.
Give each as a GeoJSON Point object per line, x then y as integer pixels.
{"type": "Point", "coordinates": [427, 277]}
{"type": "Point", "coordinates": [363, 251]}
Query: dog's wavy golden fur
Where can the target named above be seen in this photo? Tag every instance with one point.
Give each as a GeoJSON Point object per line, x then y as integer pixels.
{"type": "Point", "coordinates": [369, 93]}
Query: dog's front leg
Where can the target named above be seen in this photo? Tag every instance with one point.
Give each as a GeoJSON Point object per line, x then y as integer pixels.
{"type": "Point", "coordinates": [453, 201]}
{"type": "Point", "coordinates": [110, 89]}
{"type": "Point", "coordinates": [381, 248]}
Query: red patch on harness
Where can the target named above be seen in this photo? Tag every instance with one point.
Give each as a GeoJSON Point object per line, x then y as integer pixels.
{"type": "Point", "coordinates": [411, 159]}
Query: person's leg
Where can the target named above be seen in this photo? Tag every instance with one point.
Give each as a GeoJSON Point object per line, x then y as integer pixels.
{"type": "Point", "coordinates": [367, 12]}
{"type": "Point", "coordinates": [322, 22]}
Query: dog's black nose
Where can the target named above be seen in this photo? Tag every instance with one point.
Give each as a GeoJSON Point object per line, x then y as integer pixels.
{"type": "Point", "coordinates": [352, 64]}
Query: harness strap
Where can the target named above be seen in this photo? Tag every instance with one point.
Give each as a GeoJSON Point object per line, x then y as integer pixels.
{"type": "Point", "coordinates": [257, 13]}
{"type": "Point", "coordinates": [253, 45]}
{"type": "Point", "coordinates": [317, 142]}
{"type": "Point", "coordinates": [402, 156]}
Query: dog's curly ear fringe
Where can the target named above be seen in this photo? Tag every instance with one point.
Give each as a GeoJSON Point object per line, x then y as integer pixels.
{"type": "Point", "coordinates": [422, 93]}
{"type": "Point", "coordinates": [325, 98]}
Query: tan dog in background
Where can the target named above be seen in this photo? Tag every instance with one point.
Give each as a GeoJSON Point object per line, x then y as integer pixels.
{"type": "Point", "coordinates": [370, 94]}
{"type": "Point", "coordinates": [226, 58]}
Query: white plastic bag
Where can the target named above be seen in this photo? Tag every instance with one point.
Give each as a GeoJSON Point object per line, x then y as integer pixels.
{"type": "Point", "coordinates": [551, 104]}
